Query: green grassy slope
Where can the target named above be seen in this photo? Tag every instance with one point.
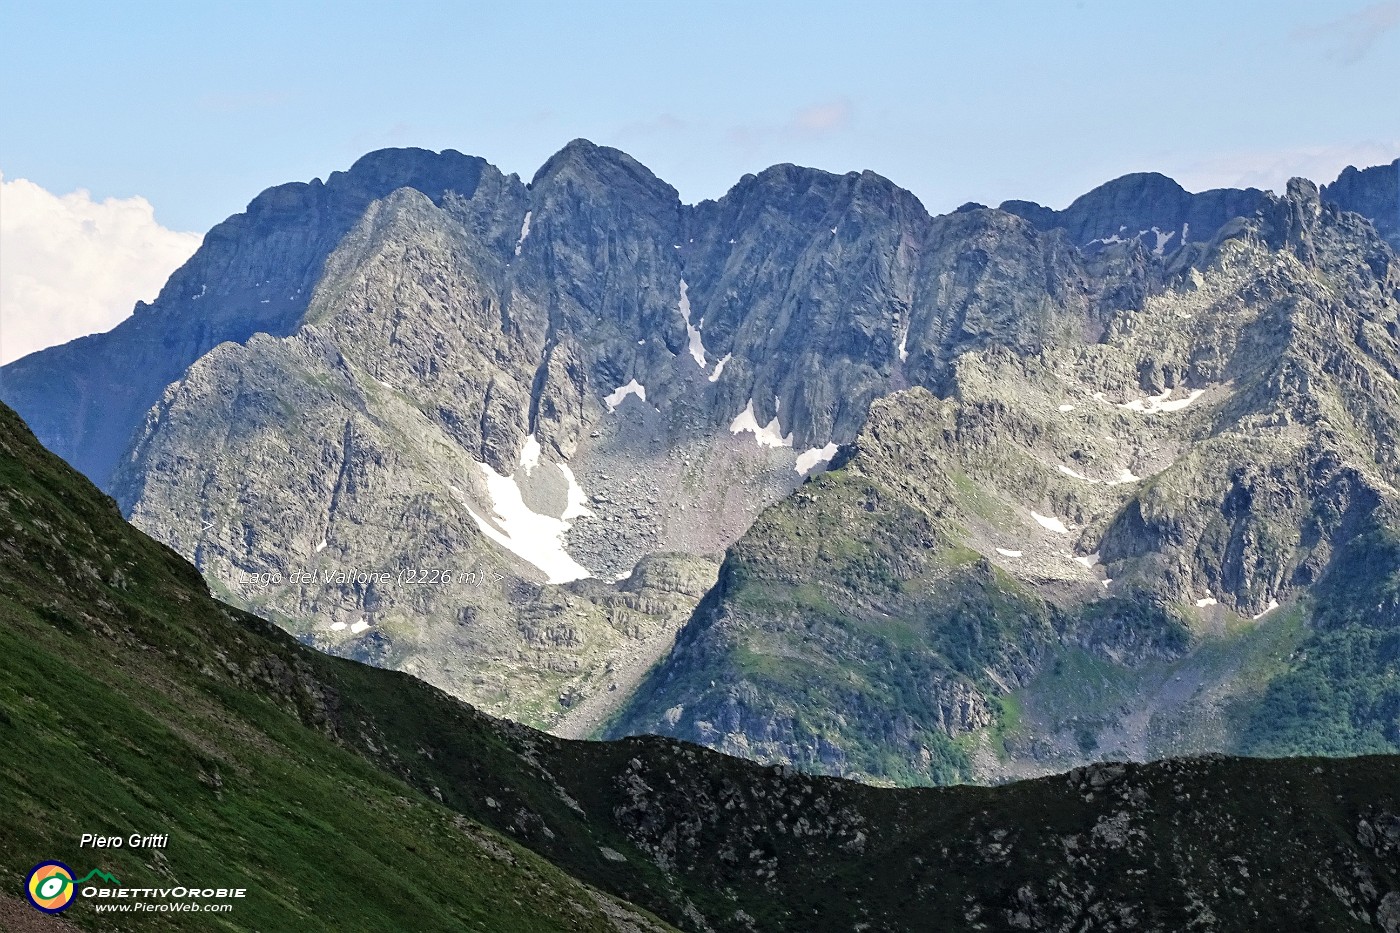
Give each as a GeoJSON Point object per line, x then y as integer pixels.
{"type": "Point", "coordinates": [350, 798]}
{"type": "Point", "coordinates": [132, 703]}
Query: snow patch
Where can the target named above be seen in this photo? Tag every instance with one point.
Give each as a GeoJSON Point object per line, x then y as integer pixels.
{"type": "Point", "coordinates": [1049, 523]}
{"type": "Point", "coordinates": [530, 455]}
{"type": "Point", "coordinates": [615, 397]}
{"type": "Point", "coordinates": [1206, 601]}
{"type": "Point", "coordinates": [1074, 473]}
{"type": "Point", "coordinates": [1087, 561]}
{"type": "Point", "coordinates": [1273, 604]}
{"type": "Point", "coordinates": [768, 435]}
{"type": "Point", "coordinates": [1125, 475]}
{"type": "Point", "coordinates": [1162, 240]}
{"type": "Point", "coordinates": [812, 456]}
{"type": "Point", "coordinates": [359, 627]}
{"type": "Point", "coordinates": [524, 232]}
{"type": "Point", "coordinates": [1181, 403]}
{"type": "Point", "coordinates": [538, 539]}
{"type": "Point", "coordinates": [321, 547]}
{"type": "Point", "coordinates": [1005, 553]}
{"type": "Point", "coordinates": [697, 346]}
{"type": "Point", "coordinates": [1065, 408]}
{"type": "Point", "coordinates": [719, 367]}
{"type": "Point", "coordinates": [904, 341]}
{"type": "Point", "coordinates": [577, 500]}
{"type": "Point", "coordinates": [337, 626]}
{"type": "Point", "coordinates": [1154, 404]}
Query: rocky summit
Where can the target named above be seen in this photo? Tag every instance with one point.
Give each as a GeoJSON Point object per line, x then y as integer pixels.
{"type": "Point", "coordinates": [804, 473]}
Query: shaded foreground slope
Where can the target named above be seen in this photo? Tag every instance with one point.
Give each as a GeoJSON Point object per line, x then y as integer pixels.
{"type": "Point", "coordinates": [346, 797]}
{"type": "Point", "coordinates": [130, 702]}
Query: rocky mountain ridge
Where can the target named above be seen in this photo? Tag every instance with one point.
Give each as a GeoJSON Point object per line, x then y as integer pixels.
{"type": "Point", "coordinates": [498, 434]}
{"type": "Point", "coordinates": [1145, 206]}
{"type": "Point", "coordinates": [1181, 488]}
{"type": "Point", "coordinates": [1372, 192]}
{"type": "Point", "coordinates": [474, 395]}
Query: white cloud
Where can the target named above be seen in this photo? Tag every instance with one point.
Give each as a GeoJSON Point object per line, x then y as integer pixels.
{"type": "Point", "coordinates": [1349, 38]}
{"type": "Point", "coordinates": [71, 266]}
{"type": "Point", "coordinates": [666, 124]}
{"type": "Point", "coordinates": [822, 118]}
{"type": "Point", "coordinates": [1271, 169]}
{"type": "Point", "coordinates": [817, 121]}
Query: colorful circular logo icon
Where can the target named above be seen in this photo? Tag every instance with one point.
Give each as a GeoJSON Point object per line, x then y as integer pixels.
{"type": "Point", "coordinates": [50, 887]}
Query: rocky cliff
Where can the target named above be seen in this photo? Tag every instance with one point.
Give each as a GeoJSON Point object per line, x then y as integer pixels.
{"type": "Point", "coordinates": [1100, 546]}
{"type": "Point", "coordinates": [500, 402]}
{"type": "Point", "coordinates": [499, 434]}
{"type": "Point", "coordinates": [254, 273]}
{"type": "Point", "coordinates": [1144, 206]}
{"type": "Point", "coordinates": [1373, 192]}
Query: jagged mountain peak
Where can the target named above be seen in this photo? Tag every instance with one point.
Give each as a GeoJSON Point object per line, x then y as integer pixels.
{"type": "Point", "coordinates": [586, 162]}
{"type": "Point", "coordinates": [1302, 189]}
{"type": "Point", "coordinates": [372, 176]}
{"type": "Point", "coordinates": [1315, 229]}
{"type": "Point", "coordinates": [1372, 192]}
{"type": "Point", "coordinates": [787, 180]}
{"type": "Point", "coordinates": [1134, 186]}
{"type": "Point", "coordinates": [1142, 205]}
{"type": "Point", "coordinates": [432, 173]}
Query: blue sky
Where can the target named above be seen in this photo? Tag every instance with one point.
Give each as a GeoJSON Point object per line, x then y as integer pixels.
{"type": "Point", "coordinates": [197, 107]}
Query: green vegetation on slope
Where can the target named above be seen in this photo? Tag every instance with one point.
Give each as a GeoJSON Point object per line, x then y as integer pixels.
{"type": "Point", "coordinates": [130, 703]}
{"type": "Point", "coordinates": [855, 639]}
{"type": "Point", "coordinates": [345, 797]}
{"type": "Point", "coordinates": [1342, 692]}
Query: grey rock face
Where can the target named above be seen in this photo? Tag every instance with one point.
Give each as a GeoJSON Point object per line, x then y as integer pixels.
{"type": "Point", "coordinates": [1144, 206]}
{"type": "Point", "coordinates": [254, 273]}
{"type": "Point", "coordinates": [1388, 913]}
{"type": "Point", "coordinates": [1127, 482]}
{"type": "Point", "coordinates": [497, 434]}
{"type": "Point", "coordinates": [1372, 192]}
{"type": "Point", "coordinates": [356, 463]}
{"type": "Point", "coordinates": [1154, 209]}
{"type": "Point", "coordinates": [637, 376]}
